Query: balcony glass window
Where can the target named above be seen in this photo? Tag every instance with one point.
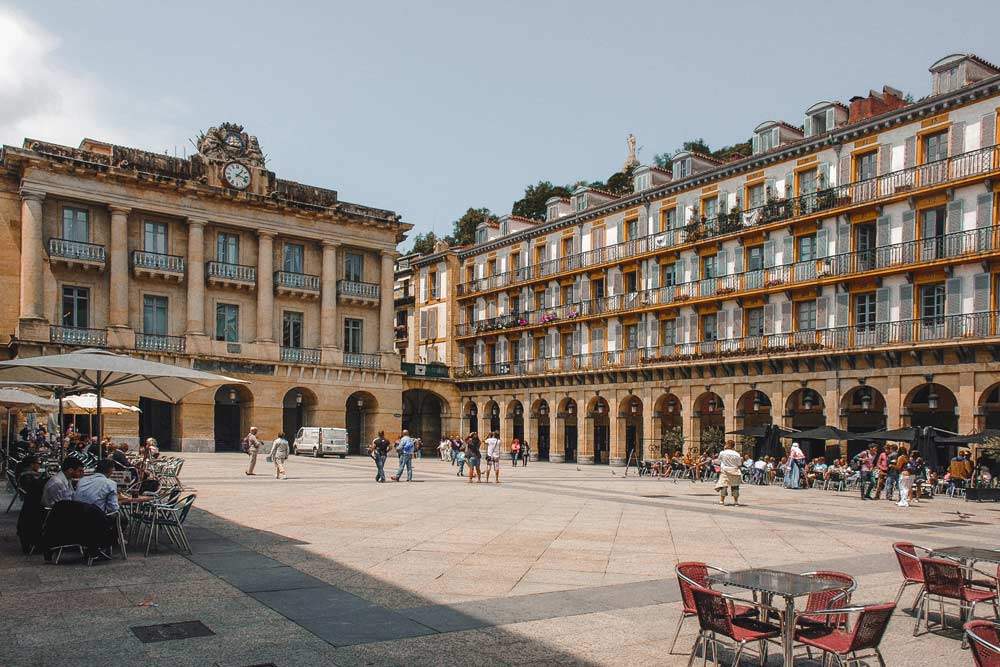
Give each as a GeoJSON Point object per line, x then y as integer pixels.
{"type": "Point", "coordinates": [807, 247]}
{"type": "Point", "coordinates": [581, 202]}
{"type": "Point", "coordinates": [632, 229]}
{"type": "Point", "coordinates": [755, 321]}
{"type": "Point", "coordinates": [865, 166]}
{"type": "Point", "coordinates": [75, 307]}
{"type": "Point", "coordinates": [668, 332]}
{"type": "Point", "coordinates": [432, 278]}
{"type": "Point", "coordinates": [291, 329]}
{"type": "Point", "coordinates": [932, 222]}
{"type": "Point", "coordinates": [227, 248]}
{"type": "Point", "coordinates": [817, 123]}
{"type": "Point", "coordinates": [76, 225]}
{"type": "Point", "coordinates": [515, 350]}
{"type": "Point", "coordinates": [709, 328]}
{"type": "Point", "coordinates": [293, 258]}
{"type": "Point", "coordinates": [154, 237]}
{"type": "Point", "coordinates": [669, 275]}
{"type": "Point", "coordinates": [864, 311]}
{"type": "Point", "coordinates": [935, 147]}
{"type": "Point", "coordinates": [709, 207]}
{"type": "Point", "coordinates": [807, 182]}
{"type": "Point", "coordinates": [806, 315]}
{"type": "Point", "coordinates": [669, 219]}
{"type": "Point", "coordinates": [631, 336]}
{"type": "Point", "coordinates": [597, 340]}
{"type": "Point", "coordinates": [755, 258]}
{"type": "Point", "coordinates": [515, 304]}
{"type": "Point", "coordinates": [932, 303]}
{"type": "Point", "coordinates": [709, 267]}
{"type": "Point", "coordinates": [481, 235]}
{"type": "Point", "coordinates": [597, 288]}
{"type": "Point", "coordinates": [755, 193]}
{"type": "Point", "coordinates": [227, 322]}
{"type": "Point", "coordinates": [865, 237]}
{"type": "Point", "coordinates": [631, 282]}
{"type": "Point", "coordinates": [597, 237]}
{"type": "Point", "coordinates": [154, 315]}
{"type": "Point", "coordinates": [353, 329]}
{"type": "Point", "coordinates": [354, 267]}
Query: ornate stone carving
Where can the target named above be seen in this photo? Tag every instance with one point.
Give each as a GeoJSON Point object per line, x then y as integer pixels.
{"type": "Point", "coordinates": [229, 141]}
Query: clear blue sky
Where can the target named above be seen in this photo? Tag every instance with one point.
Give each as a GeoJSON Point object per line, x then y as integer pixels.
{"type": "Point", "coordinates": [429, 108]}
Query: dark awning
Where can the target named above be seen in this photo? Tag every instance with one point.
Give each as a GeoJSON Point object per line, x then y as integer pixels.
{"type": "Point", "coordinates": [825, 433]}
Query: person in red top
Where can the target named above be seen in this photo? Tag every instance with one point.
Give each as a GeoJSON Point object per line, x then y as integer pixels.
{"type": "Point", "coordinates": [882, 469]}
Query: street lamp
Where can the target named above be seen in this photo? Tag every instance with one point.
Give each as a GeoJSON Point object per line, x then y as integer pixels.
{"type": "Point", "coordinates": [232, 395]}
{"type": "Point", "coordinates": [866, 400]}
{"type": "Point", "coordinates": [298, 398]}
{"type": "Point", "coordinates": [543, 410]}
{"type": "Point", "coordinates": [711, 404]}
{"type": "Point", "coordinates": [756, 402]}
{"type": "Point", "coordinates": [671, 405]}
{"type": "Point", "coordinates": [932, 399]}
{"type": "Point", "coordinates": [571, 408]}
{"type": "Point", "coordinates": [807, 400]}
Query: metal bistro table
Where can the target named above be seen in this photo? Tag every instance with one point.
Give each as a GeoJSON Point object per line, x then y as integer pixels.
{"type": "Point", "coordinates": [969, 555]}
{"type": "Point", "coordinates": [775, 582]}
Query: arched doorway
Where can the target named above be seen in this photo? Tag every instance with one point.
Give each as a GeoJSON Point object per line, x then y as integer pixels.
{"type": "Point", "coordinates": [599, 415]}
{"type": "Point", "coordinates": [630, 428]}
{"type": "Point", "coordinates": [423, 413]}
{"type": "Point", "coordinates": [567, 415]}
{"type": "Point", "coordinates": [156, 420]}
{"type": "Point", "coordinates": [753, 410]}
{"type": "Point", "coordinates": [540, 413]}
{"type": "Point", "coordinates": [668, 426]}
{"type": "Point", "coordinates": [710, 419]}
{"type": "Point", "coordinates": [933, 404]}
{"type": "Point", "coordinates": [298, 408]}
{"type": "Point", "coordinates": [515, 413]}
{"type": "Point", "coordinates": [471, 414]}
{"type": "Point", "coordinates": [989, 409]}
{"type": "Point", "coordinates": [863, 409]}
{"type": "Point", "coordinates": [361, 408]}
{"type": "Point", "coordinates": [493, 415]}
{"type": "Point", "coordinates": [233, 408]}
{"type": "Point", "coordinates": [804, 410]}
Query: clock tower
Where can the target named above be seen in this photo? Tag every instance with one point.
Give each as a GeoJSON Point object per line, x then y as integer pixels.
{"type": "Point", "coordinates": [233, 160]}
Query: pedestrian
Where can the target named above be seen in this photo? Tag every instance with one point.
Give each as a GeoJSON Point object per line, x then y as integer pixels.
{"type": "Point", "coordinates": [405, 449]}
{"type": "Point", "coordinates": [515, 451]}
{"type": "Point", "coordinates": [882, 468]}
{"type": "Point", "coordinates": [493, 456]}
{"type": "Point", "coordinates": [379, 452]}
{"type": "Point", "coordinates": [796, 462]}
{"type": "Point", "coordinates": [444, 448]}
{"type": "Point", "coordinates": [252, 446]}
{"type": "Point", "coordinates": [525, 453]}
{"type": "Point", "coordinates": [472, 457]}
{"type": "Point", "coordinates": [279, 454]}
{"type": "Point", "coordinates": [959, 471]}
{"type": "Point", "coordinates": [730, 473]}
{"type": "Point", "coordinates": [460, 460]}
{"type": "Point", "coordinates": [866, 460]}
{"type": "Point", "coordinates": [456, 449]}
{"type": "Point", "coordinates": [418, 448]}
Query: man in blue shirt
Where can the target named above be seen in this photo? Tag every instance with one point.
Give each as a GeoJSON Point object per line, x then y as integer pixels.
{"type": "Point", "coordinates": [405, 449]}
{"type": "Point", "coordinates": [98, 489]}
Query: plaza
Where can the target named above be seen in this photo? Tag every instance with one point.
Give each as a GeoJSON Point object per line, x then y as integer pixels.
{"type": "Point", "coordinates": [558, 564]}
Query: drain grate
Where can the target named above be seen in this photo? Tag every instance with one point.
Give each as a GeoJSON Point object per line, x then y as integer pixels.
{"type": "Point", "coordinates": [165, 632]}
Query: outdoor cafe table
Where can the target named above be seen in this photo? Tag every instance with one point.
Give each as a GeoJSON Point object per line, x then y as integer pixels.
{"type": "Point", "coordinates": [969, 555]}
{"type": "Point", "coordinates": [775, 582]}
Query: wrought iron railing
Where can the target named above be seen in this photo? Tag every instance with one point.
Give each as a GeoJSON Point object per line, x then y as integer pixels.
{"type": "Point", "coordinates": [66, 249]}
{"type": "Point", "coordinates": [157, 261]}
{"type": "Point", "coordinates": [159, 343]}
{"type": "Point", "coordinates": [78, 336]}
{"type": "Point", "coordinates": [362, 360]}
{"type": "Point", "coordinates": [301, 355]}
{"type": "Point", "coordinates": [954, 168]}
{"type": "Point", "coordinates": [357, 289]}
{"type": "Point", "coordinates": [237, 272]}
{"type": "Point", "coordinates": [300, 281]}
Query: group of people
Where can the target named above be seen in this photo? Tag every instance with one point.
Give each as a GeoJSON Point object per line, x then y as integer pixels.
{"type": "Point", "coordinates": [454, 449]}
{"type": "Point", "coordinates": [280, 451]}
{"type": "Point", "coordinates": [470, 454]}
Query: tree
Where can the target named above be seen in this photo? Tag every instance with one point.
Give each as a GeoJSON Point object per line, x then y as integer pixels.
{"type": "Point", "coordinates": [464, 231]}
{"type": "Point", "coordinates": [662, 160]}
{"type": "Point", "coordinates": [424, 243]}
{"type": "Point", "coordinates": [620, 183]}
{"type": "Point", "coordinates": [532, 204]}
{"type": "Point", "coordinates": [698, 146]}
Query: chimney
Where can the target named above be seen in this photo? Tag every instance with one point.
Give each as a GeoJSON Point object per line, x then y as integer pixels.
{"type": "Point", "coordinates": [863, 108]}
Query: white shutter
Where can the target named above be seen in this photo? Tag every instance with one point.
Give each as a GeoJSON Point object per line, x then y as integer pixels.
{"type": "Point", "coordinates": [788, 251]}
{"type": "Point", "coordinates": [842, 316]}
{"type": "Point", "coordinates": [822, 243]}
{"type": "Point", "coordinates": [768, 319]}
{"type": "Point", "coordinates": [909, 225]}
{"type": "Point", "coordinates": [882, 304]}
{"type": "Point", "coordinates": [956, 209]}
{"type": "Point", "coordinates": [882, 231]}
{"type": "Point", "coordinates": [823, 312]}
{"type": "Point", "coordinates": [956, 138]}
{"type": "Point", "coordinates": [786, 317]}
{"type": "Point", "coordinates": [953, 296]}
{"type": "Point", "coordinates": [988, 130]}
{"type": "Point", "coordinates": [905, 302]}
{"type": "Point", "coordinates": [423, 324]}
{"type": "Point", "coordinates": [981, 292]}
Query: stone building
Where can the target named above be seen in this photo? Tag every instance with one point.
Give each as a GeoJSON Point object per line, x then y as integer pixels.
{"type": "Point", "coordinates": [844, 273]}
{"type": "Point", "coordinates": [213, 262]}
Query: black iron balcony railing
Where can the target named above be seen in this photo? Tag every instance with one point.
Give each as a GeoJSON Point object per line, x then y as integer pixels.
{"type": "Point", "coordinates": [963, 328]}
{"type": "Point", "coordinates": [78, 250]}
{"type": "Point", "coordinates": [235, 272]}
{"type": "Point", "coordinates": [301, 355]}
{"type": "Point", "coordinates": [356, 289]}
{"type": "Point", "coordinates": [362, 360]}
{"type": "Point", "coordinates": [951, 169]}
{"type": "Point", "coordinates": [155, 261]}
{"type": "Point", "coordinates": [159, 343]}
{"type": "Point", "coordinates": [964, 245]}
{"type": "Point", "coordinates": [81, 336]}
{"type": "Point", "coordinates": [297, 281]}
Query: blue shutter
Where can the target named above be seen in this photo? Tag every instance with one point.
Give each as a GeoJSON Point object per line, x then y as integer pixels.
{"type": "Point", "coordinates": [981, 292]}
{"type": "Point", "coordinates": [909, 152]}
{"type": "Point", "coordinates": [956, 209]}
{"type": "Point", "coordinates": [882, 304]}
{"type": "Point", "coordinates": [953, 296]}
{"type": "Point", "coordinates": [909, 225]}
{"type": "Point", "coordinates": [768, 254]}
{"type": "Point", "coordinates": [905, 302]}
{"type": "Point", "coordinates": [788, 252]}
{"type": "Point", "coordinates": [822, 243]}
{"type": "Point", "coordinates": [842, 316]}
{"type": "Point", "coordinates": [882, 231]}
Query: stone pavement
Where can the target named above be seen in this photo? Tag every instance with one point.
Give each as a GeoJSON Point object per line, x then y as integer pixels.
{"type": "Point", "coordinates": [558, 564]}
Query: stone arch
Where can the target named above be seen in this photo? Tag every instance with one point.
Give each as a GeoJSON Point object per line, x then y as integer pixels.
{"type": "Point", "coordinates": [233, 416]}
{"type": "Point", "coordinates": [667, 417]}
{"type": "Point", "coordinates": [931, 404]}
{"type": "Point", "coordinates": [988, 415]}
{"type": "Point", "coordinates": [708, 420]}
{"type": "Point", "coordinates": [298, 409]}
{"type": "Point", "coordinates": [630, 432]}
{"type": "Point", "coordinates": [361, 408]}
{"type": "Point", "coordinates": [599, 427]}
{"type": "Point", "coordinates": [862, 410]}
{"type": "Point", "coordinates": [754, 409]}
{"type": "Point", "coordinates": [567, 427]}
{"type": "Point", "coordinates": [490, 417]}
{"type": "Point", "coordinates": [424, 414]}
{"type": "Point", "coordinates": [541, 429]}
{"type": "Point", "coordinates": [470, 416]}
{"type": "Point", "coordinates": [805, 409]}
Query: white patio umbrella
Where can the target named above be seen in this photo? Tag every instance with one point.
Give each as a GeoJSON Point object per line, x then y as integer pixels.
{"type": "Point", "coordinates": [101, 371]}
{"type": "Point", "coordinates": [86, 404]}
{"type": "Point", "coordinates": [17, 399]}
{"type": "Point", "coordinates": [58, 391]}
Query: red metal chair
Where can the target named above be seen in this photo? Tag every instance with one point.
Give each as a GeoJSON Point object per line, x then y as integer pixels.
{"type": "Point", "coordinates": [909, 556]}
{"type": "Point", "coordinates": [716, 619]}
{"type": "Point", "coordinates": [690, 575]}
{"type": "Point", "coordinates": [984, 641]}
{"type": "Point", "coordinates": [945, 580]}
{"type": "Point", "coordinates": [849, 645]}
{"type": "Point", "coordinates": [831, 599]}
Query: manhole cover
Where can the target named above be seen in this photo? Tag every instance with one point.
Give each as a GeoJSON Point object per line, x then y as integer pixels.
{"type": "Point", "coordinates": [165, 632]}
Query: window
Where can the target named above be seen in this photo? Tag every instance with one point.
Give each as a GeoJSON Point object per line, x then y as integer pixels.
{"type": "Point", "coordinates": [755, 321]}
{"type": "Point", "coordinates": [807, 182]}
{"type": "Point", "coordinates": [432, 280]}
{"type": "Point", "coordinates": [354, 267]}
{"type": "Point", "coordinates": [709, 328]}
{"type": "Point", "coordinates": [154, 315]}
{"type": "Point", "coordinates": [293, 261]}
{"type": "Point", "coordinates": [597, 288]}
{"type": "Point", "coordinates": [806, 315]}
{"type": "Point", "coordinates": [227, 248]}
{"type": "Point", "coordinates": [631, 336]}
{"type": "Point", "coordinates": [76, 225]}
{"type": "Point", "coordinates": [631, 229]}
{"type": "Point", "coordinates": [755, 258]}
{"type": "Point", "coordinates": [597, 237]}
{"type": "Point", "coordinates": [227, 322]}
{"type": "Point", "coordinates": [631, 282]}
{"type": "Point", "coordinates": [755, 195]}
{"type": "Point", "coordinates": [581, 202]}
{"type": "Point", "coordinates": [154, 237]}
{"type": "Point", "coordinates": [515, 350]}
{"type": "Point", "coordinates": [553, 212]}
{"type": "Point", "coordinates": [709, 267]}
{"type": "Point", "coordinates": [817, 123]}
{"type": "Point", "coordinates": [515, 304]}
{"type": "Point", "coordinates": [291, 329]}
{"type": "Point", "coordinates": [504, 228]}
{"type": "Point", "coordinates": [641, 182]}
{"type": "Point", "coordinates": [806, 247]}
{"type": "Point", "coordinates": [669, 278]}
{"type": "Point", "coordinates": [932, 222]}
{"type": "Point", "coordinates": [481, 235]}
{"type": "Point", "coordinates": [597, 340]}
{"type": "Point", "coordinates": [865, 166]}
{"type": "Point", "coordinates": [864, 311]}
{"type": "Point", "coordinates": [681, 168]}
{"type": "Point", "coordinates": [709, 207]}
{"type": "Point", "coordinates": [935, 147]}
{"type": "Point", "coordinates": [865, 237]}
{"type": "Point", "coordinates": [352, 335]}
{"type": "Point", "coordinates": [491, 267]}
{"type": "Point", "coordinates": [668, 332]}
{"type": "Point", "coordinates": [76, 307]}
{"type": "Point", "coordinates": [932, 303]}
{"type": "Point", "coordinates": [668, 219]}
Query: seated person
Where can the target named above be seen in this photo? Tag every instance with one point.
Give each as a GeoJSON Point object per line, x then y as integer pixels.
{"type": "Point", "coordinates": [60, 486]}
{"type": "Point", "coordinates": [119, 456]}
{"type": "Point", "coordinates": [99, 489]}
{"type": "Point", "coordinates": [27, 470]}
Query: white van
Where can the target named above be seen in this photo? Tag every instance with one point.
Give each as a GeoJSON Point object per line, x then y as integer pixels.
{"type": "Point", "coordinates": [318, 441]}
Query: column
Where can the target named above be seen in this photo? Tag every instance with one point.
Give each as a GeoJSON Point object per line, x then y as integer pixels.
{"type": "Point", "coordinates": [616, 431]}
{"type": "Point", "coordinates": [196, 277]}
{"type": "Point", "coordinates": [386, 307]}
{"type": "Point", "coordinates": [557, 431]}
{"type": "Point", "coordinates": [328, 298]}
{"type": "Point", "coordinates": [118, 301]}
{"type": "Point", "coordinates": [265, 287]}
{"type": "Point", "coordinates": [584, 429]}
{"type": "Point", "coordinates": [32, 284]}
{"type": "Point", "coordinates": [967, 404]}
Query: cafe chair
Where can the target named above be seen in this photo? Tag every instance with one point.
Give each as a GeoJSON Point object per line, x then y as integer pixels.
{"type": "Point", "coordinates": [834, 598]}
{"type": "Point", "coordinates": [908, 555]}
{"type": "Point", "coordinates": [851, 645]}
{"type": "Point", "coordinates": [945, 581]}
{"type": "Point", "coordinates": [691, 575]}
{"type": "Point", "coordinates": [717, 618]}
{"type": "Point", "coordinates": [984, 642]}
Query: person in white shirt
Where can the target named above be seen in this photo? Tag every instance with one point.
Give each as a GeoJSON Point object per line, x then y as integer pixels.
{"type": "Point", "coordinates": [730, 475]}
{"type": "Point", "coordinates": [98, 489]}
{"type": "Point", "coordinates": [444, 448]}
{"type": "Point", "coordinates": [60, 486]}
{"type": "Point", "coordinates": [493, 456]}
{"type": "Point", "coordinates": [759, 471]}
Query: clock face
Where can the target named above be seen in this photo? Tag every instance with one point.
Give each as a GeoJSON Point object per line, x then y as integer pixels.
{"type": "Point", "coordinates": [234, 141]}
{"type": "Point", "coordinates": [237, 175]}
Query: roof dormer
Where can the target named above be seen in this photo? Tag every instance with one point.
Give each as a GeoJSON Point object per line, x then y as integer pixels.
{"type": "Point", "coordinates": [773, 133]}
{"type": "Point", "coordinates": [557, 207]}
{"type": "Point", "coordinates": [586, 197]}
{"type": "Point", "coordinates": [957, 70]}
{"type": "Point", "coordinates": [645, 177]}
{"type": "Point", "coordinates": [689, 163]}
{"type": "Point", "coordinates": [824, 117]}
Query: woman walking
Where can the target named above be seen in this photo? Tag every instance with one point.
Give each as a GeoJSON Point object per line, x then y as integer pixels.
{"type": "Point", "coordinates": [472, 456]}
{"type": "Point", "coordinates": [515, 451]}
{"type": "Point", "coordinates": [279, 454]}
{"type": "Point", "coordinates": [525, 453]}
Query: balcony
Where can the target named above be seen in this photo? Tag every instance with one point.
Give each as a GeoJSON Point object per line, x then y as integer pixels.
{"type": "Point", "coordinates": [302, 285]}
{"type": "Point", "coordinates": [403, 295]}
{"type": "Point", "coordinates": [76, 254]}
{"type": "Point", "coordinates": [362, 360]}
{"type": "Point", "coordinates": [80, 336]}
{"type": "Point", "coordinates": [905, 334]}
{"type": "Point", "coordinates": [239, 276]}
{"type": "Point", "coordinates": [357, 293]}
{"type": "Point", "coordinates": [159, 343]}
{"type": "Point", "coordinates": [301, 355]}
{"type": "Point", "coordinates": [436, 370]}
{"type": "Point", "coordinates": [157, 265]}
{"type": "Point", "coordinates": [824, 203]}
